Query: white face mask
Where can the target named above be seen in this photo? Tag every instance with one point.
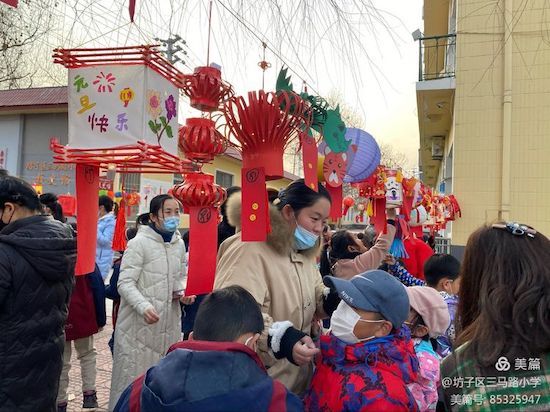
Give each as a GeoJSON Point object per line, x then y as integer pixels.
{"type": "Point", "coordinates": [343, 321]}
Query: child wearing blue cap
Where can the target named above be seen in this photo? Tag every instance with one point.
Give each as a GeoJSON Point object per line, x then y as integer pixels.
{"type": "Point", "coordinates": [368, 357]}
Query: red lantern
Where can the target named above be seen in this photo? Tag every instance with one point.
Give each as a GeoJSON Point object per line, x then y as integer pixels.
{"type": "Point", "coordinates": [264, 127]}
{"type": "Point", "coordinates": [348, 202]}
{"type": "Point", "coordinates": [200, 141]}
{"type": "Point", "coordinates": [206, 89]}
{"type": "Point", "coordinates": [201, 197]}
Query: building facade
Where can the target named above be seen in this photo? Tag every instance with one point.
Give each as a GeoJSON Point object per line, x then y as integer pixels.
{"type": "Point", "coordinates": [483, 101]}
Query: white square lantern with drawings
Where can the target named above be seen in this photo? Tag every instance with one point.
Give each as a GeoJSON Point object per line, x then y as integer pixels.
{"type": "Point", "coordinates": [117, 105]}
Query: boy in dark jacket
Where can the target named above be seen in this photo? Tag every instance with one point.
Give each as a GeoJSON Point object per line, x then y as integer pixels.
{"type": "Point", "coordinates": [217, 369]}
{"type": "Point", "coordinates": [368, 358]}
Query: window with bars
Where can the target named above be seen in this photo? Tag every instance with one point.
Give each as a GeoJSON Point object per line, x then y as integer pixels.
{"type": "Point", "coordinates": [224, 179]}
{"type": "Point", "coordinates": [131, 182]}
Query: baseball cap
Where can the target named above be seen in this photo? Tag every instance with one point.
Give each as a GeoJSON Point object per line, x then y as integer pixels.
{"type": "Point", "coordinates": [432, 307]}
{"type": "Point", "coordinates": [374, 291]}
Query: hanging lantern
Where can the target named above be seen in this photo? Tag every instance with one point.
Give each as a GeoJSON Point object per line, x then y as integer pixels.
{"type": "Point", "coordinates": [200, 141]}
{"type": "Point", "coordinates": [363, 155]}
{"type": "Point", "coordinates": [206, 89]}
{"type": "Point", "coordinates": [394, 188]}
{"type": "Point", "coordinates": [347, 202]}
{"type": "Point", "coordinates": [201, 197]}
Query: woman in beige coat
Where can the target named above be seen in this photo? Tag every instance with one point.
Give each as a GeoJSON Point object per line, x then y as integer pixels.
{"type": "Point", "coordinates": [151, 283]}
{"type": "Point", "coordinates": [281, 273]}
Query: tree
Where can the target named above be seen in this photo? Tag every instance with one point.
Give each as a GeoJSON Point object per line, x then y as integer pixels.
{"type": "Point", "coordinates": [20, 30]}
{"type": "Point", "coordinates": [350, 115]}
{"type": "Point", "coordinates": [391, 157]}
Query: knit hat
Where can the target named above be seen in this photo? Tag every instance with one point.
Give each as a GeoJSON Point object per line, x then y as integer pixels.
{"type": "Point", "coordinates": [432, 307]}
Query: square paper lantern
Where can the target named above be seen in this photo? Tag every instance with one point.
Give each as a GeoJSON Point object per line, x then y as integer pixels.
{"type": "Point", "coordinates": [117, 105]}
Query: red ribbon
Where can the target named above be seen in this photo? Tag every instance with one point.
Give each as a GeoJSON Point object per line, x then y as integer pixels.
{"type": "Point", "coordinates": [203, 242]}
{"type": "Point", "coordinates": [87, 195]}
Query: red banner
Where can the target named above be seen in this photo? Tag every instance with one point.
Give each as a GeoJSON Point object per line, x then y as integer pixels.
{"type": "Point", "coordinates": [87, 182]}
{"type": "Point", "coordinates": [255, 205]}
{"type": "Point", "coordinates": [380, 223]}
{"type": "Point", "coordinates": [203, 242]}
{"type": "Point", "coordinates": [336, 194]}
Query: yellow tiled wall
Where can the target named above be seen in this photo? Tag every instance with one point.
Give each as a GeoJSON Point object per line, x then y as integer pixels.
{"type": "Point", "coordinates": [478, 120]}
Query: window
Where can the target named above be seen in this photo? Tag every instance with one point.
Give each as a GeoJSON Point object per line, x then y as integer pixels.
{"type": "Point", "coordinates": [224, 179]}
{"type": "Point", "coordinates": [131, 182]}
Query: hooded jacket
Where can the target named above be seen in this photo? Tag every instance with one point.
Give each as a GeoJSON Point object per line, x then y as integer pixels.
{"type": "Point", "coordinates": [366, 376]}
{"type": "Point", "coordinates": [208, 376]}
{"type": "Point", "coordinates": [150, 272]}
{"type": "Point", "coordinates": [37, 258]}
{"type": "Point", "coordinates": [104, 249]}
{"type": "Point", "coordinates": [285, 283]}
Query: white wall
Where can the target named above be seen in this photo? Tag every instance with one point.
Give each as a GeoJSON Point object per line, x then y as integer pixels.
{"type": "Point", "coordinates": [11, 136]}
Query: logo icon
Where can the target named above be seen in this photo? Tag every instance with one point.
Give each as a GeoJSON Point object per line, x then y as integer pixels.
{"type": "Point", "coordinates": [502, 364]}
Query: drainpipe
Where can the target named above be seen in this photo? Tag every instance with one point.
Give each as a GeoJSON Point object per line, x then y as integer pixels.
{"type": "Point", "coordinates": [507, 113]}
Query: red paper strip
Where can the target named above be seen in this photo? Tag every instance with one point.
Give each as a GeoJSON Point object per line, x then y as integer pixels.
{"type": "Point", "coordinates": [255, 206]}
{"type": "Point", "coordinates": [132, 9]}
{"type": "Point", "coordinates": [380, 223]}
{"type": "Point", "coordinates": [417, 231]}
{"type": "Point", "coordinates": [12, 3]}
{"type": "Point", "coordinates": [336, 194]}
{"type": "Point", "coordinates": [119, 237]}
{"type": "Point", "coordinates": [87, 195]}
{"type": "Point", "coordinates": [203, 242]}
{"type": "Point", "coordinates": [310, 155]}
{"type": "Point", "coordinates": [407, 207]}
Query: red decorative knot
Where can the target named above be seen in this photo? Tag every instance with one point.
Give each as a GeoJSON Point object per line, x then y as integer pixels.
{"type": "Point", "coordinates": [206, 89]}
{"type": "Point", "coordinates": [199, 190]}
{"type": "Point", "coordinates": [200, 141]}
{"type": "Point", "coordinates": [265, 126]}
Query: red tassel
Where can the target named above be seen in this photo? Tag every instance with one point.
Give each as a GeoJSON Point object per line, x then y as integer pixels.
{"type": "Point", "coordinates": [380, 223]}
{"type": "Point", "coordinates": [87, 196]}
{"type": "Point", "coordinates": [255, 205]}
{"type": "Point", "coordinates": [119, 237]}
{"type": "Point", "coordinates": [203, 226]}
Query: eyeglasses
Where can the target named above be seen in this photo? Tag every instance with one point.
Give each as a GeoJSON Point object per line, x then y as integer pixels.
{"type": "Point", "coordinates": [516, 229]}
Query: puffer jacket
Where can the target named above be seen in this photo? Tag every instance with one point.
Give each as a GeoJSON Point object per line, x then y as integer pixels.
{"type": "Point", "coordinates": [151, 271]}
{"type": "Point", "coordinates": [104, 249]}
{"type": "Point", "coordinates": [37, 258]}
{"type": "Point", "coordinates": [285, 283]}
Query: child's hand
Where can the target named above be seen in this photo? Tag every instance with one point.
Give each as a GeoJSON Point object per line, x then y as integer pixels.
{"type": "Point", "coordinates": [188, 300]}
{"type": "Point", "coordinates": [304, 351]}
{"type": "Point", "coordinates": [390, 260]}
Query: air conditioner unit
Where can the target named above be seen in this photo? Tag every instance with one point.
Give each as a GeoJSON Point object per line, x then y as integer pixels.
{"type": "Point", "coordinates": [438, 147]}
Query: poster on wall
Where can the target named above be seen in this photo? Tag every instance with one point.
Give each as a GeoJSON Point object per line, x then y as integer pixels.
{"type": "Point", "coordinates": [118, 105]}
{"type": "Point", "coordinates": [151, 188]}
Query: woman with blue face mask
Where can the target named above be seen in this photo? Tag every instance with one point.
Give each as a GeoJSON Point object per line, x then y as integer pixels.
{"type": "Point", "coordinates": [281, 273]}
{"type": "Point", "coordinates": [151, 283]}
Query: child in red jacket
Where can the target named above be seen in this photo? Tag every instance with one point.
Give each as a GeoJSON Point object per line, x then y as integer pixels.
{"type": "Point", "coordinates": [368, 357]}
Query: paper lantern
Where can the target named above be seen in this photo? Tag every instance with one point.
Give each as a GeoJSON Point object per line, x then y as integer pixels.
{"type": "Point", "coordinates": [202, 197]}
{"type": "Point", "coordinates": [418, 216]}
{"type": "Point", "coordinates": [347, 202]}
{"type": "Point", "coordinates": [334, 167]}
{"type": "Point", "coordinates": [200, 141]}
{"type": "Point", "coordinates": [363, 155]}
{"type": "Point", "coordinates": [206, 89]}
{"type": "Point", "coordinates": [394, 188]}
{"type": "Point", "coordinates": [263, 129]}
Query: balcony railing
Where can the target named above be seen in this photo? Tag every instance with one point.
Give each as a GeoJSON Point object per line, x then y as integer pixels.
{"type": "Point", "coordinates": [437, 55]}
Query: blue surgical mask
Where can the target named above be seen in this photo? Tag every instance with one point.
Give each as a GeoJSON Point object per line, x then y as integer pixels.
{"type": "Point", "coordinates": [171, 223]}
{"type": "Point", "coordinates": [304, 239]}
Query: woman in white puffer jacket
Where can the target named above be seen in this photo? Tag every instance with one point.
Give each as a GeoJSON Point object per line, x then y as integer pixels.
{"type": "Point", "coordinates": [151, 283]}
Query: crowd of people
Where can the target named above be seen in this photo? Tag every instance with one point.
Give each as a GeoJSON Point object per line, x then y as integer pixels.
{"type": "Point", "coordinates": [311, 319]}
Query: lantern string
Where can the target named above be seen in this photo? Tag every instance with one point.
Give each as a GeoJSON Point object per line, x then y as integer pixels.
{"type": "Point", "coordinates": [209, 32]}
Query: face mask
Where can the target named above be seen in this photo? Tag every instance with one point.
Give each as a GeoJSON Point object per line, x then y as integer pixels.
{"type": "Point", "coordinates": [343, 321]}
{"type": "Point", "coordinates": [171, 223]}
{"type": "Point", "coordinates": [303, 238]}
{"type": "Point", "coordinates": [2, 224]}
{"type": "Point", "coordinates": [248, 340]}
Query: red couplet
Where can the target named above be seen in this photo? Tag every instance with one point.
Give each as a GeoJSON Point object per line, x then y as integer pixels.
{"type": "Point", "coordinates": [203, 244]}
{"type": "Point", "coordinates": [255, 205]}
{"type": "Point", "coordinates": [87, 195]}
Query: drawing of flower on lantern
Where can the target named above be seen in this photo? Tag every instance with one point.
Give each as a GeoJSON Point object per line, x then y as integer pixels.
{"type": "Point", "coordinates": [104, 82]}
{"type": "Point", "coordinates": [155, 110]}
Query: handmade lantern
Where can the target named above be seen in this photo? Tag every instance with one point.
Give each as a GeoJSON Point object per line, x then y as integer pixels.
{"type": "Point", "coordinates": [394, 188]}
{"type": "Point", "coordinates": [201, 197]}
{"type": "Point", "coordinates": [363, 155]}
{"type": "Point", "coordinates": [200, 141]}
{"type": "Point", "coordinates": [347, 202]}
{"type": "Point", "coordinates": [263, 126]}
{"type": "Point", "coordinates": [206, 89]}
{"type": "Point", "coordinates": [334, 170]}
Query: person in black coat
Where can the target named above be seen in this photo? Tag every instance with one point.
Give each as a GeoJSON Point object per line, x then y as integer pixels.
{"type": "Point", "coordinates": [37, 259]}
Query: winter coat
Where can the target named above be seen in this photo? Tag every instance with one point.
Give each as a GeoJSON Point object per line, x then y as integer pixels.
{"type": "Point", "coordinates": [366, 376]}
{"type": "Point", "coordinates": [37, 258]}
{"type": "Point", "coordinates": [285, 283]}
{"type": "Point", "coordinates": [150, 273]}
{"type": "Point", "coordinates": [104, 249]}
{"type": "Point", "coordinates": [86, 311]}
{"type": "Point", "coordinates": [208, 376]}
{"type": "Point", "coordinates": [371, 259]}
